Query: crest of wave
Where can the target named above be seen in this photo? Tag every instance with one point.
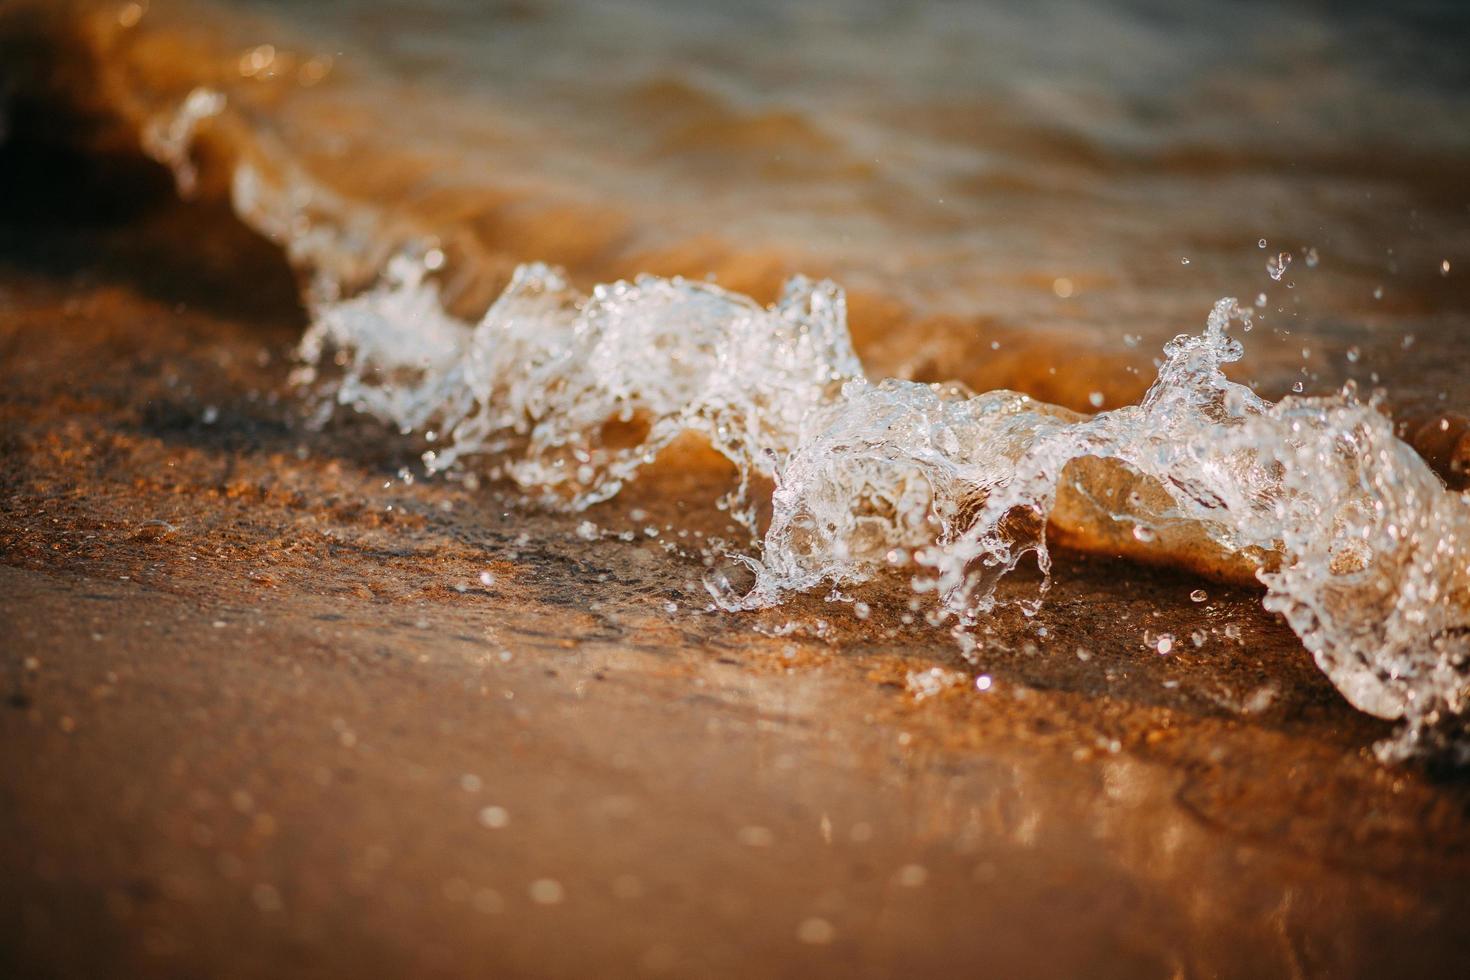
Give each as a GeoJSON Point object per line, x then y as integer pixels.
{"type": "Point", "coordinates": [1360, 546]}
{"type": "Point", "coordinates": [568, 395]}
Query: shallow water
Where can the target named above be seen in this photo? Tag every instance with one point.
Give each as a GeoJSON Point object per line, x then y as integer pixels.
{"type": "Point", "coordinates": [1033, 199]}
{"type": "Point", "coordinates": [1089, 175]}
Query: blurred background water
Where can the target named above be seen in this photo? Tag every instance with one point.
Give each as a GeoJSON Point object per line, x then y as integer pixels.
{"type": "Point", "coordinates": [1031, 195]}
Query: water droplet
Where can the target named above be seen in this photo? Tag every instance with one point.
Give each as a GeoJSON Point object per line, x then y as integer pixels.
{"type": "Point", "coordinates": [1444, 267]}
{"type": "Point", "coordinates": [1143, 533]}
{"type": "Point", "coordinates": [1095, 399]}
{"type": "Point", "coordinates": [1298, 387]}
{"type": "Point", "coordinates": [1183, 261]}
{"type": "Point", "coordinates": [495, 817]}
{"type": "Point", "coordinates": [984, 682]}
{"type": "Point", "coordinates": [1277, 265]}
{"type": "Point", "coordinates": [1353, 353]}
{"type": "Point", "coordinates": [729, 582]}
{"type": "Point", "coordinates": [1165, 644]}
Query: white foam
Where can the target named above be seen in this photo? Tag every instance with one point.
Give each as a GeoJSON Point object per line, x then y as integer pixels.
{"type": "Point", "coordinates": [1363, 550]}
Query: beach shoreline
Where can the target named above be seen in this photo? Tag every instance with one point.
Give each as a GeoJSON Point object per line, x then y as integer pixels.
{"type": "Point", "coordinates": [272, 707]}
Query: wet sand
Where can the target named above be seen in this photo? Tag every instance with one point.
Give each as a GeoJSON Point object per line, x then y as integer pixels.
{"type": "Point", "coordinates": [262, 715]}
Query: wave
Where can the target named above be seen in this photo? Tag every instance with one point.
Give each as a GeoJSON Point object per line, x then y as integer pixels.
{"type": "Point", "coordinates": [1358, 543]}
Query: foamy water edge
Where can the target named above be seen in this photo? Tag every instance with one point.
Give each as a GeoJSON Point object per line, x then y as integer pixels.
{"type": "Point", "coordinates": [1361, 548]}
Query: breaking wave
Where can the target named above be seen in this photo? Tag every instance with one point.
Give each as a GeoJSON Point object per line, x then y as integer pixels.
{"type": "Point", "coordinates": [1358, 543]}
{"type": "Point", "coordinates": [1360, 546]}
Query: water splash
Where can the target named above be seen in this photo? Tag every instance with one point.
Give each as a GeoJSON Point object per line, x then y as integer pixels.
{"type": "Point", "coordinates": [1361, 548]}
{"type": "Point", "coordinates": [569, 395]}
{"type": "Point", "coordinates": [169, 138]}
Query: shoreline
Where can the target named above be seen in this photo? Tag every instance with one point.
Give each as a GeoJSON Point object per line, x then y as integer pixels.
{"type": "Point", "coordinates": [313, 785]}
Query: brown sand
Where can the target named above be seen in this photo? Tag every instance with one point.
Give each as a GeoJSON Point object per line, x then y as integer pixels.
{"type": "Point", "coordinates": [262, 717]}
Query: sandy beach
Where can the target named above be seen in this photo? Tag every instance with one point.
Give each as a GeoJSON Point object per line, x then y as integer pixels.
{"type": "Point", "coordinates": [270, 708]}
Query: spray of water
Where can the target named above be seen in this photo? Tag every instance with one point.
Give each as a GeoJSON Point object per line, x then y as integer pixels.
{"type": "Point", "coordinates": [1360, 546]}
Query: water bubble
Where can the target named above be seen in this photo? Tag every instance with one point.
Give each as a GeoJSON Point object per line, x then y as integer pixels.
{"type": "Point", "coordinates": [984, 682]}
{"type": "Point", "coordinates": [587, 531]}
{"type": "Point", "coordinates": [1183, 261]}
{"type": "Point", "coordinates": [495, 817]}
{"type": "Point", "coordinates": [1298, 387]}
{"type": "Point", "coordinates": [1311, 258]}
{"type": "Point", "coordinates": [1444, 267]}
{"type": "Point", "coordinates": [1261, 243]}
{"type": "Point", "coordinates": [1377, 292]}
{"type": "Point", "coordinates": [1165, 644]}
{"type": "Point", "coordinates": [1143, 532]}
{"type": "Point", "coordinates": [1198, 595]}
{"type": "Point", "coordinates": [1353, 353]}
{"type": "Point", "coordinates": [1095, 399]}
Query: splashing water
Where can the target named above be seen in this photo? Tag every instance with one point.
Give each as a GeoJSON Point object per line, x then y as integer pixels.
{"type": "Point", "coordinates": [1361, 548]}
{"type": "Point", "coordinates": [570, 395]}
